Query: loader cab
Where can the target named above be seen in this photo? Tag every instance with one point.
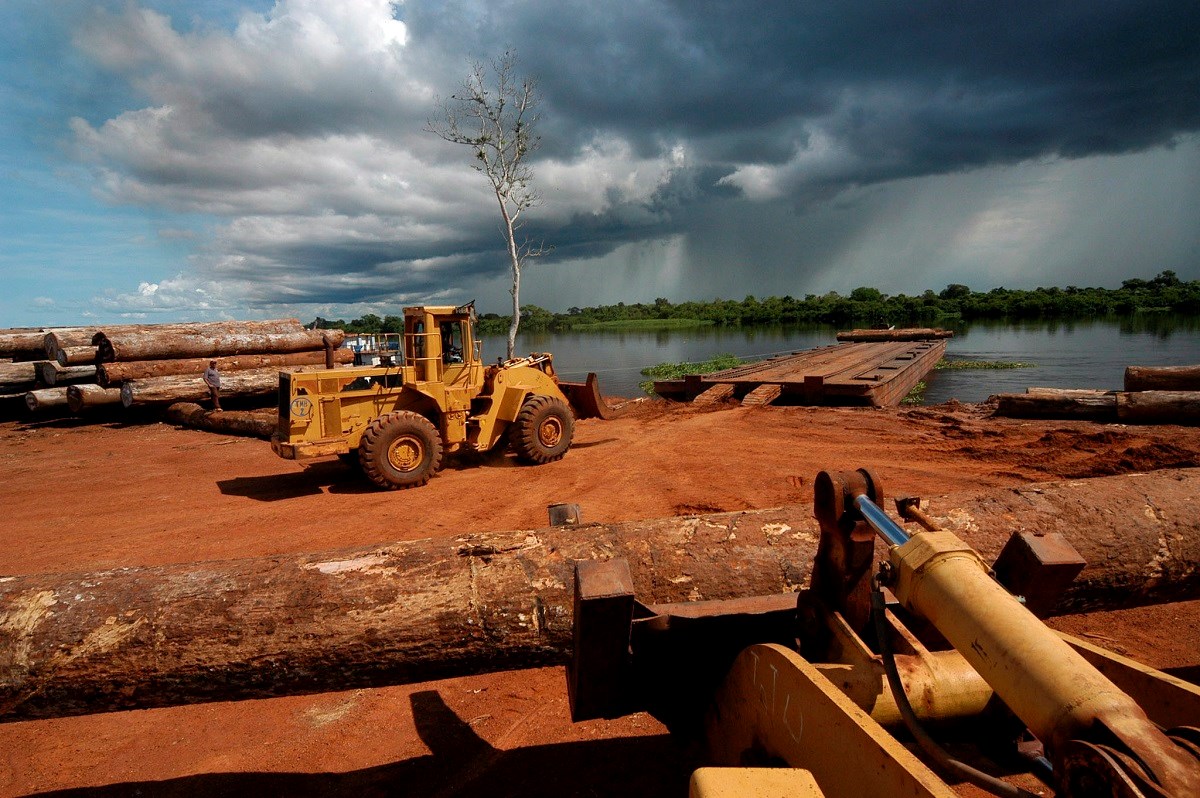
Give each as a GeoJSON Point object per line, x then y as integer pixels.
{"type": "Point", "coordinates": [439, 347]}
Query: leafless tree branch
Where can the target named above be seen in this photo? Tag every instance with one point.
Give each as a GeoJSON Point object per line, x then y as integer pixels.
{"type": "Point", "coordinates": [494, 113]}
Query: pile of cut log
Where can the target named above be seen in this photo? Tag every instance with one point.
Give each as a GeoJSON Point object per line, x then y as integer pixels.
{"type": "Point", "coordinates": [153, 364]}
{"type": "Point", "coordinates": [1152, 395]}
{"type": "Point", "coordinates": [28, 379]}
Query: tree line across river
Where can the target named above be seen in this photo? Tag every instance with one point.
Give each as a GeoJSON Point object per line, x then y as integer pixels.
{"type": "Point", "coordinates": [864, 306]}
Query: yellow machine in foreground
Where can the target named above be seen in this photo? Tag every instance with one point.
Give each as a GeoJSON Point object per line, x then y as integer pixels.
{"type": "Point", "coordinates": [799, 694]}
{"type": "Point", "coordinates": [431, 394]}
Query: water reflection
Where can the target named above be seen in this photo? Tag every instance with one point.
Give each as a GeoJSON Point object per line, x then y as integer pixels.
{"type": "Point", "coordinates": [1088, 353]}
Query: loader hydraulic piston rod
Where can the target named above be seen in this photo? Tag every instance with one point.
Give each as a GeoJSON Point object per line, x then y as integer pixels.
{"type": "Point", "coordinates": [1093, 731]}
{"type": "Point", "coordinates": [874, 515]}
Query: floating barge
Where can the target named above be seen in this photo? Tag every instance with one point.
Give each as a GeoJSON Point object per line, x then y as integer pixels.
{"type": "Point", "coordinates": [871, 374]}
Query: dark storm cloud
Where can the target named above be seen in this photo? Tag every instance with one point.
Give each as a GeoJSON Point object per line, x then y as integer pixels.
{"type": "Point", "coordinates": [727, 125]}
{"type": "Point", "coordinates": [912, 88]}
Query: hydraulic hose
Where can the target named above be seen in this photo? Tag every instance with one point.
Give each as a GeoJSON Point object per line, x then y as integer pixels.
{"type": "Point", "coordinates": [948, 763]}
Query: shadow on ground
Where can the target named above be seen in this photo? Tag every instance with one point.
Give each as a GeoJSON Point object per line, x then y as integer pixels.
{"type": "Point", "coordinates": [326, 476]}
{"type": "Point", "coordinates": [461, 764]}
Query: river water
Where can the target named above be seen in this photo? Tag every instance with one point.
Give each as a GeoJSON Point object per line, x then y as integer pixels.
{"type": "Point", "coordinates": [1090, 353]}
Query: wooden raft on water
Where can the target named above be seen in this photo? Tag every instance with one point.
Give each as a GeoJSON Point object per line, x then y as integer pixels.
{"type": "Point", "coordinates": [877, 374]}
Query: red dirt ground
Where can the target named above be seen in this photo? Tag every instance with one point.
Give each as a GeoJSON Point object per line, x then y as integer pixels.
{"type": "Point", "coordinates": [88, 497]}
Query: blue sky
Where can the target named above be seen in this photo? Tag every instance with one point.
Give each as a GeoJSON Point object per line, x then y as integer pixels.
{"type": "Point", "coordinates": [194, 160]}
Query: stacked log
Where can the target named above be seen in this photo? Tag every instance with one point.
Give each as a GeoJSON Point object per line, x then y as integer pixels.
{"type": "Point", "coordinates": [162, 364]}
{"type": "Point", "coordinates": [157, 364]}
{"type": "Point", "coordinates": [18, 377]}
{"type": "Point", "coordinates": [76, 339]}
{"type": "Point", "coordinates": [46, 398]}
{"type": "Point", "coordinates": [1159, 407]}
{"type": "Point", "coordinates": [229, 422]}
{"type": "Point", "coordinates": [1058, 403]}
{"type": "Point", "coordinates": [74, 345]}
{"type": "Point", "coordinates": [20, 344]}
{"type": "Point", "coordinates": [213, 339]}
{"type": "Point", "coordinates": [1162, 378]}
{"type": "Point", "coordinates": [191, 387]}
{"type": "Point", "coordinates": [75, 355]}
{"type": "Point", "coordinates": [80, 397]}
{"type": "Point", "coordinates": [110, 374]}
{"type": "Point", "coordinates": [418, 610]}
{"type": "Point", "coordinates": [1152, 395]}
{"type": "Point", "coordinates": [51, 373]}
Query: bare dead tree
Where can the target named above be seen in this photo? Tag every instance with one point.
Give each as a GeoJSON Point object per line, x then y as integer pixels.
{"type": "Point", "coordinates": [494, 114]}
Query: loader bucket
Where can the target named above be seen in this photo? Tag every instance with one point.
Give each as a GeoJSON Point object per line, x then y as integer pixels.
{"type": "Point", "coordinates": [586, 400]}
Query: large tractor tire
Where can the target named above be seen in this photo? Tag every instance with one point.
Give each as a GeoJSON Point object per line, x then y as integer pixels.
{"type": "Point", "coordinates": [543, 429]}
{"type": "Point", "coordinates": [400, 450]}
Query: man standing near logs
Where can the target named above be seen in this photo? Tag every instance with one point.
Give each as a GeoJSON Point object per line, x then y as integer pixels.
{"type": "Point", "coordinates": [212, 378]}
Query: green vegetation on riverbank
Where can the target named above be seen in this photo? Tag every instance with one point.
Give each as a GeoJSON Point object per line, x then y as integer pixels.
{"type": "Point", "coordinates": [963, 365]}
{"type": "Point", "coordinates": [917, 395]}
{"type": "Point", "coordinates": [674, 371]}
{"type": "Point", "coordinates": [863, 307]}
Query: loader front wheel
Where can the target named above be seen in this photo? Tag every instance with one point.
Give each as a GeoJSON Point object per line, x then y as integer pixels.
{"type": "Point", "coordinates": [400, 450]}
{"type": "Point", "coordinates": [543, 430]}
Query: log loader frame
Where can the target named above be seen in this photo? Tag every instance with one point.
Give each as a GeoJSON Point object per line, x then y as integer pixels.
{"type": "Point", "coordinates": [926, 638]}
{"type": "Point", "coordinates": [430, 394]}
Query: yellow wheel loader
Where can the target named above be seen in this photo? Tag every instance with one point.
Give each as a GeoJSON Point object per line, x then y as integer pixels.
{"type": "Point", "coordinates": [429, 394]}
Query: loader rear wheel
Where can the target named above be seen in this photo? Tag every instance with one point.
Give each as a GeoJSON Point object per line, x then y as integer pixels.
{"type": "Point", "coordinates": [400, 450]}
{"type": "Point", "coordinates": [543, 430]}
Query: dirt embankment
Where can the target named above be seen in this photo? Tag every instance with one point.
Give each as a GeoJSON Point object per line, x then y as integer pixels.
{"type": "Point", "coordinates": [88, 497]}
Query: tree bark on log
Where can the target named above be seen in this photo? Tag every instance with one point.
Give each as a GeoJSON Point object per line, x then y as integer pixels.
{"type": "Point", "coordinates": [52, 374]}
{"type": "Point", "coordinates": [434, 608]}
{"type": "Point", "coordinates": [268, 326]}
{"type": "Point", "coordinates": [171, 345]}
{"type": "Point", "coordinates": [56, 340]}
{"type": "Point", "coordinates": [1159, 407]}
{"type": "Point", "coordinates": [191, 387]}
{"type": "Point", "coordinates": [65, 337]}
{"type": "Point", "coordinates": [75, 337]}
{"type": "Point", "coordinates": [46, 398]}
{"type": "Point", "coordinates": [89, 395]}
{"type": "Point", "coordinates": [21, 343]}
{"type": "Point", "coordinates": [1084, 405]}
{"type": "Point", "coordinates": [18, 377]}
{"type": "Point", "coordinates": [1069, 393]}
{"type": "Point", "coordinates": [1162, 378]}
{"type": "Point", "coordinates": [229, 422]}
{"type": "Point", "coordinates": [76, 356]}
{"type": "Point", "coordinates": [109, 374]}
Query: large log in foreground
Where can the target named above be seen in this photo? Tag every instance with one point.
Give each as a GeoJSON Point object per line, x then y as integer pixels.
{"type": "Point", "coordinates": [230, 422]}
{"type": "Point", "coordinates": [433, 608]}
{"type": "Point", "coordinates": [108, 374]}
{"type": "Point", "coordinates": [1162, 378]}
